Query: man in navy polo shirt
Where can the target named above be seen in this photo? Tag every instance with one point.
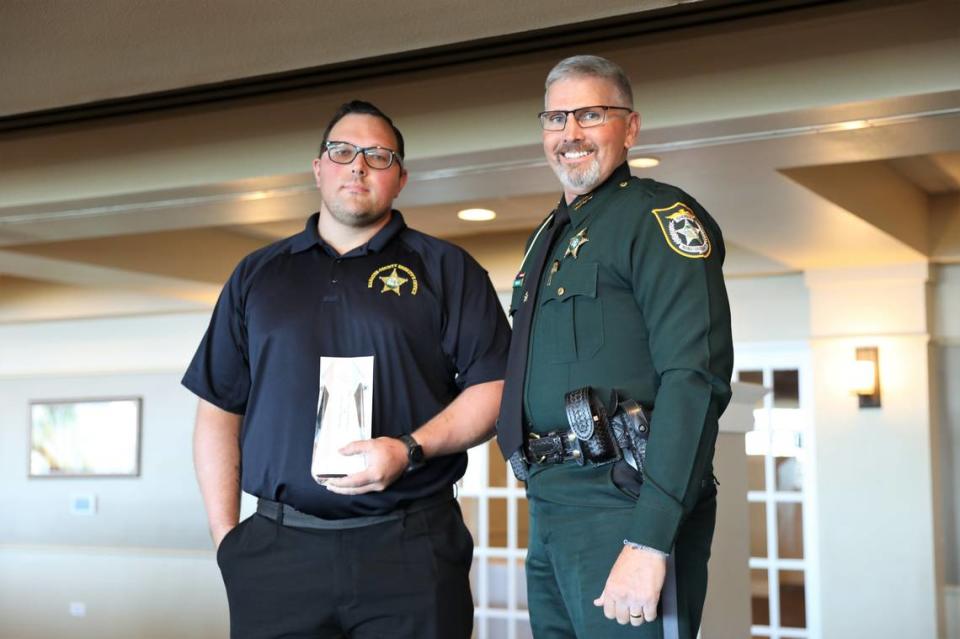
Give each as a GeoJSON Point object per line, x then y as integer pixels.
{"type": "Point", "coordinates": [344, 372]}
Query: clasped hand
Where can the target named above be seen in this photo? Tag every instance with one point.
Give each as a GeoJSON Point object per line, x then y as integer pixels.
{"type": "Point", "coordinates": [386, 461]}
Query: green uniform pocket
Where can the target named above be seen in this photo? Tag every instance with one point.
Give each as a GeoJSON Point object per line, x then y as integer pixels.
{"type": "Point", "coordinates": [571, 315]}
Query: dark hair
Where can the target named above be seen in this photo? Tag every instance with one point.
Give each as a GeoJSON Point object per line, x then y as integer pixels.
{"type": "Point", "coordinates": [359, 107]}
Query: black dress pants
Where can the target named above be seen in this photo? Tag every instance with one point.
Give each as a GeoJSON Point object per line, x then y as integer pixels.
{"type": "Point", "coordinates": [405, 578]}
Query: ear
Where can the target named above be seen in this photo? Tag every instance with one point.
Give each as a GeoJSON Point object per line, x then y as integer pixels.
{"type": "Point", "coordinates": [403, 179]}
{"type": "Point", "coordinates": [316, 171]}
{"type": "Point", "coordinates": [633, 129]}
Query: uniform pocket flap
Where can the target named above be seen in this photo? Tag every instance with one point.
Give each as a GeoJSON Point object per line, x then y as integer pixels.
{"type": "Point", "coordinates": [579, 280]}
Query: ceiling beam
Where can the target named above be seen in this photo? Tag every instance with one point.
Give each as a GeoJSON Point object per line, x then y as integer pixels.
{"type": "Point", "coordinates": [78, 274]}
{"type": "Point", "coordinates": [679, 15]}
{"type": "Point", "coordinates": [875, 192]}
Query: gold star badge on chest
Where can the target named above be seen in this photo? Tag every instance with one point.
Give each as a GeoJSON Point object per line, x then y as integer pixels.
{"type": "Point", "coordinates": [393, 282]}
{"type": "Point", "coordinates": [576, 243]}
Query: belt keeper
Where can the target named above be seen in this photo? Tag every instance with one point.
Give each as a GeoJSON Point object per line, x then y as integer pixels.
{"type": "Point", "coordinates": [542, 457]}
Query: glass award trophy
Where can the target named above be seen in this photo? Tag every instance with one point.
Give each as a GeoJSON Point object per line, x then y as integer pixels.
{"type": "Point", "coordinates": [344, 414]}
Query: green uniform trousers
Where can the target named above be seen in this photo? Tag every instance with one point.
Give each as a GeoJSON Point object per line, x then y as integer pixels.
{"type": "Point", "coordinates": [573, 547]}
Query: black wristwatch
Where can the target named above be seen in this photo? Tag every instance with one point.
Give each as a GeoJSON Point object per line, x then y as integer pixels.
{"type": "Point", "coordinates": [415, 458]}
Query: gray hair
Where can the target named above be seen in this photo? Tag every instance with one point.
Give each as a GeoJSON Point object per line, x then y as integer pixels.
{"type": "Point", "coordinates": [592, 66]}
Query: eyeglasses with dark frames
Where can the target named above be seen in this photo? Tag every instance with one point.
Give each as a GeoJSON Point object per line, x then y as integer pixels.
{"type": "Point", "coordinates": [376, 157]}
{"type": "Point", "coordinates": [586, 117]}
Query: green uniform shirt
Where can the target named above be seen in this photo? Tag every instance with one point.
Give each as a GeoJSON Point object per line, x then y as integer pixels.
{"type": "Point", "coordinates": [632, 298]}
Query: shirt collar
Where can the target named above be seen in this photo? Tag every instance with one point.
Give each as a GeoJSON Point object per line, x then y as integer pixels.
{"type": "Point", "coordinates": [310, 237]}
{"type": "Point", "coordinates": [619, 175]}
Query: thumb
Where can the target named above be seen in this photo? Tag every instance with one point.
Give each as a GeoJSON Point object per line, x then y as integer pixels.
{"type": "Point", "coordinates": [598, 601]}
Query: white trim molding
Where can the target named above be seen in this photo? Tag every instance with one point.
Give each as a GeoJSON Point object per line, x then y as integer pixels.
{"type": "Point", "coordinates": [951, 610]}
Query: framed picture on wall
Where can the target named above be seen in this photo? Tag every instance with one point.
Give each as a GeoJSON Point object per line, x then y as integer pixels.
{"type": "Point", "coordinates": [85, 437]}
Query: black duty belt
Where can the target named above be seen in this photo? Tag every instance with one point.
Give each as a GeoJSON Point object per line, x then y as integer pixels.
{"type": "Point", "coordinates": [552, 448]}
{"type": "Point", "coordinates": [289, 516]}
{"type": "Point", "coordinates": [592, 437]}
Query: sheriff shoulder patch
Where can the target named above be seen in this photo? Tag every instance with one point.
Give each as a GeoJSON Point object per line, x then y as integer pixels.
{"type": "Point", "coordinates": [683, 231]}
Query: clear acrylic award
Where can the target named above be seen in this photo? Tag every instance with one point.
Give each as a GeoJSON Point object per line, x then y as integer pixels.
{"type": "Point", "coordinates": [344, 413]}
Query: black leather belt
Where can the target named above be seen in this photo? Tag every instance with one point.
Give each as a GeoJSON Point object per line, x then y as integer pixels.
{"type": "Point", "coordinates": [290, 516]}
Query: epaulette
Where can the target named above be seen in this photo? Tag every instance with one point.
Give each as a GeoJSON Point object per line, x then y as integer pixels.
{"type": "Point", "coordinates": [640, 186]}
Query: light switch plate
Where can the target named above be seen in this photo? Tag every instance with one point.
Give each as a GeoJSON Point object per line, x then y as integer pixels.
{"type": "Point", "coordinates": [83, 505]}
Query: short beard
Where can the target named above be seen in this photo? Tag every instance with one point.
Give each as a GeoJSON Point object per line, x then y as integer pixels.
{"type": "Point", "coordinates": [355, 219]}
{"type": "Point", "coordinates": [579, 179]}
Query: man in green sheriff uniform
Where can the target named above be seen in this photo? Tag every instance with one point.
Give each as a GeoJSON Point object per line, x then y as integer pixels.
{"type": "Point", "coordinates": [631, 298]}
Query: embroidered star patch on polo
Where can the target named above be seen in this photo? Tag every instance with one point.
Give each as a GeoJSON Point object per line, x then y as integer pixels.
{"type": "Point", "coordinates": [393, 281]}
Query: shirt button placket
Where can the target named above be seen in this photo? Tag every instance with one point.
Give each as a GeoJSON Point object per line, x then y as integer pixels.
{"type": "Point", "coordinates": [330, 294]}
{"type": "Point", "coordinates": [335, 271]}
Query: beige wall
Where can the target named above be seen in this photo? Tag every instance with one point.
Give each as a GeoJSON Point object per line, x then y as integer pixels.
{"type": "Point", "coordinates": [143, 564]}
{"type": "Point", "coordinates": [127, 593]}
{"type": "Point", "coordinates": [159, 509]}
{"type": "Point", "coordinates": [946, 293]}
{"type": "Point", "coordinates": [876, 477]}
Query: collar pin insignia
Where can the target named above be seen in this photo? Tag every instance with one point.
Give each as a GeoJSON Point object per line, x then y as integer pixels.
{"type": "Point", "coordinates": [583, 200]}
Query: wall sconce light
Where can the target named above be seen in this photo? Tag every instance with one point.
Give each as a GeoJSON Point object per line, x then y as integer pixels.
{"type": "Point", "coordinates": [865, 381]}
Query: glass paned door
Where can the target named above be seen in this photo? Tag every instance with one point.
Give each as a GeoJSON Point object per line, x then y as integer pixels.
{"type": "Point", "coordinates": [779, 469]}
{"type": "Point", "coordinates": [495, 510]}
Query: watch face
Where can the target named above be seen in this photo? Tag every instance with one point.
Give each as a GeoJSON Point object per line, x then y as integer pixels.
{"type": "Point", "coordinates": [416, 454]}
{"type": "Point", "coordinates": [414, 450]}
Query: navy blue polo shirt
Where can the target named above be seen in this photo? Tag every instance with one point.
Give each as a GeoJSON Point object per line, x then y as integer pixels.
{"type": "Point", "coordinates": [287, 305]}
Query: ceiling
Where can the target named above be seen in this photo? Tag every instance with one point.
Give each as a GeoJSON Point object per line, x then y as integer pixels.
{"type": "Point", "coordinates": [827, 156]}
{"type": "Point", "coordinates": [56, 53]}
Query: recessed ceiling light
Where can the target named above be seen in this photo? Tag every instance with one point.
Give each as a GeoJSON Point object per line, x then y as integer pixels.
{"type": "Point", "coordinates": [644, 163]}
{"type": "Point", "coordinates": [476, 215]}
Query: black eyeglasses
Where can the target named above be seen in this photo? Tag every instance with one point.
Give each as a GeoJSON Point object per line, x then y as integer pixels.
{"type": "Point", "coordinates": [586, 117]}
{"type": "Point", "coordinates": [376, 157]}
